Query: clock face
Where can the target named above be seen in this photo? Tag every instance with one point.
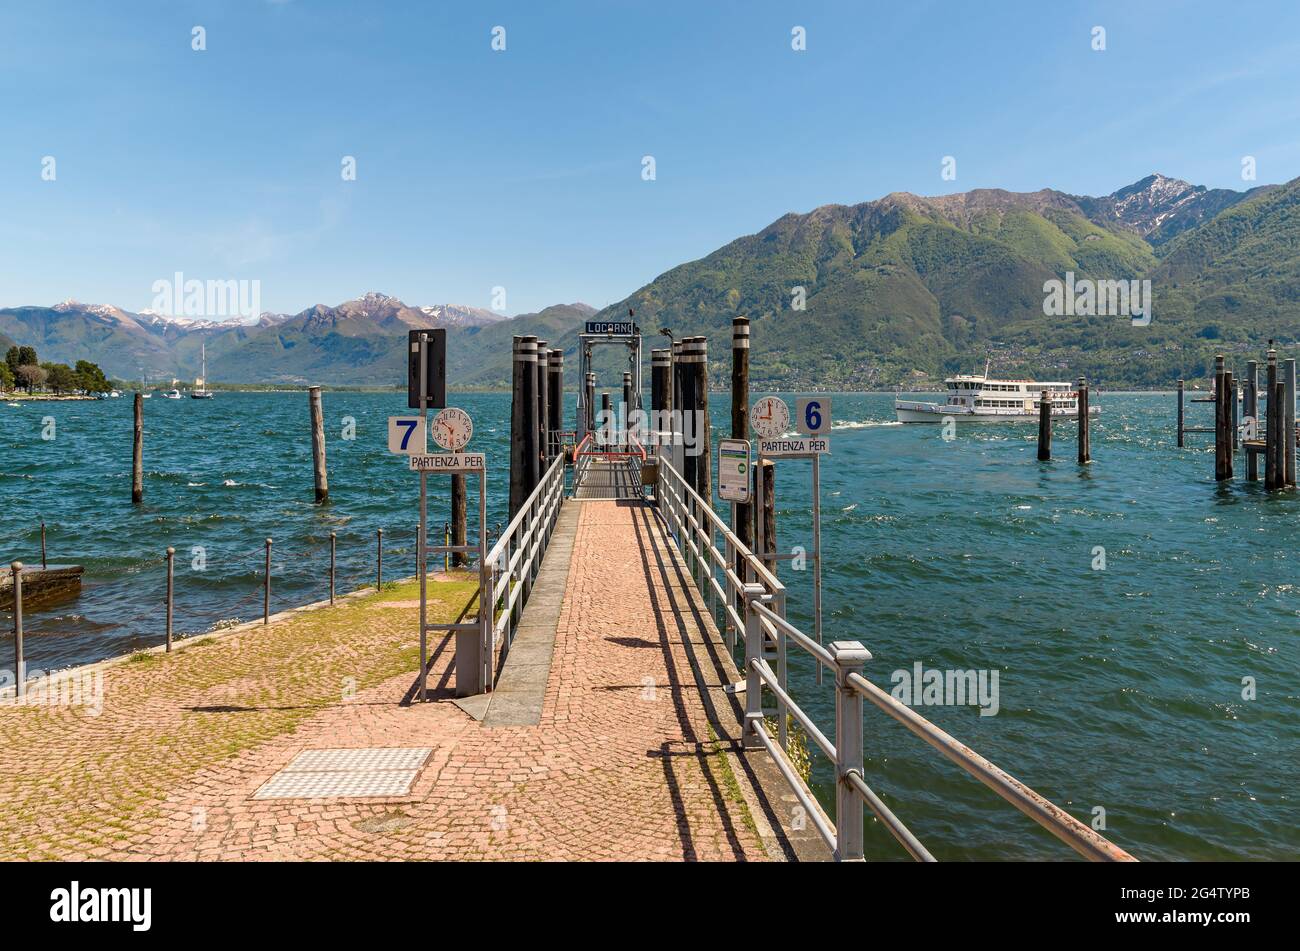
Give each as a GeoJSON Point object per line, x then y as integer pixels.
{"type": "Point", "coordinates": [770, 417]}
{"type": "Point", "coordinates": [452, 428]}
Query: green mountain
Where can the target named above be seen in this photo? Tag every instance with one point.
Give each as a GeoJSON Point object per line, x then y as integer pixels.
{"type": "Point", "coordinates": [906, 288]}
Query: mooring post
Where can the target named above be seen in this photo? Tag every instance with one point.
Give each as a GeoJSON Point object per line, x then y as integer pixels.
{"type": "Point", "coordinates": [627, 407]}
{"type": "Point", "coordinates": [542, 409]}
{"type": "Point", "coordinates": [1234, 389]}
{"type": "Point", "coordinates": [765, 479]}
{"type": "Point", "coordinates": [523, 380]}
{"type": "Point", "coordinates": [660, 390]}
{"type": "Point", "coordinates": [704, 472]}
{"type": "Point", "coordinates": [1230, 420]}
{"type": "Point", "coordinates": [1180, 414]}
{"type": "Point", "coordinates": [137, 453]}
{"type": "Point", "coordinates": [590, 384]}
{"type": "Point", "coordinates": [555, 403]}
{"type": "Point", "coordinates": [20, 669]}
{"type": "Point", "coordinates": [753, 593]}
{"type": "Point", "coordinates": [1288, 423]}
{"type": "Point", "coordinates": [459, 531]}
{"type": "Point", "coordinates": [334, 541]}
{"type": "Point", "coordinates": [318, 444]}
{"type": "Point", "coordinates": [266, 588]}
{"type": "Point", "coordinates": [850, 658]}
{"type": "Point", "coordinates": [1250, 409]}
{"type": "Point", "coordinates": [171, 558]}
{"type": "Point", "coordinates": [1044, 427]}
{"type": "Point", "coordinates": [1221, 442]}
{"type": "Point", "coordinates": [43, 565]}
{"type": "Point", "coordinates": [379, 559]}
{"type": "Point", "coordinates": [685, 362]}
{"type": "Point", "coordinates": [1271, 435]}
{"type": "Point", "coordinates": [675, 376]}
{"type": "Point", "coordinates": [607, 427]}
{"type": "Point", "coordinates": [1279, 445]}
{"type": "Point", "coordinates": [1085, 447]}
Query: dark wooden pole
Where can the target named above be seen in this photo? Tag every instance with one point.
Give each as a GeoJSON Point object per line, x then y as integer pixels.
{"type": "Point", "coordinates": [1044, 427]}
{"type": "Point", "coordinates": [458, 527]}
{"type": "Point", "coordinates": [766, 471]}
{"type": "Point", "coordinates": [542, 409]}
{"type": "Point", "coordinates": [590, 422]}
{"type": "Point", "coordinates": [607, 429]}
{"type": "Point", "coordinates": [1222, 445]}
{"type": "Point", "coordinates": [1279, 443]}
{"type": "Point", "coordinates": [1270, 436]}
{"type": "Point", "coordinates": [743, 523]}
{"type": "Point", "coordinates": [1085, 446]}
{"type": "Point", "coordinates": [1250, 410]}
{"type": "Point", "coordinates": [137, 453]}
{"type": "Point", "coordinates": [523, 425]}
{"type": "Point", "coordinates": [555, 400]}
{"type": "Point", "coordinates": [1230, 420]}
{"type": "Point", "coordinates": [686, 387]}
{"type": "Point", "coordinates": [318, 444]}
{"type": "Point", "coordinates": [704, 470]}
{"type": "Point", "coordinates": [627, 405]}
{"type": "Point", "coordinates": [1288, 375]}
{"type": "Point", "coordinates": [1180, 414]}
{"type": "Point", "coordinates": [675, 376]}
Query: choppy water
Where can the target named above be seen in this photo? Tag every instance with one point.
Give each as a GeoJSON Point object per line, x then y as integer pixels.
{"type": "Point", "coordinates": [1118, 688]}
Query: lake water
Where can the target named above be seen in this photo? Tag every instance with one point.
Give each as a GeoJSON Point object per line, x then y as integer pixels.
{"type": "Point", "coordinates": [1118, 688]}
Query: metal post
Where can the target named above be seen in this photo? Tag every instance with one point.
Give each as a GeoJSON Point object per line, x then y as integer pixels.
{"type": "Point", "coordinates": [379, 559]}
{"type": "Point", "coordinates": [817, 552]}
{"type": "Point", "coordinates": [20, 667]}
{"type": "Point", "coordinates": [43, 565]}
{"type": "Point", "coordinates": [446, 543]}
{"type": "Point", "coordinates": [171, 558]}
{"type": "Point", "coordinates": [266, 592]}
{"type": "Point", "coordinates": [334, 540]}
{"type": "Point", "coordinates": [850, 658]}
{"type": "Point", "coordinates": [137, 452]}
{"type": "Point", "coordinates": [741, 517]}
{"type": "Point", "coordinates": [424, 520]}
{"type": "Point", "coordinates": [753, 651]}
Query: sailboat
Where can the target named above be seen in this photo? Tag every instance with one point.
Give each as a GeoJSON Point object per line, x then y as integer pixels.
{"type": "Point", "coordinates": [201, 391]}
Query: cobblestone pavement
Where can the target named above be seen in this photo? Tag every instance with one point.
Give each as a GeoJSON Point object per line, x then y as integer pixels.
{"type": "Point", "coordinates": [625, 764]}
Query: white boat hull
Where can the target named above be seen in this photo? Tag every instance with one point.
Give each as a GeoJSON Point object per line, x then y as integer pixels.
{"type": "Point", "coordinates": [909, 412]}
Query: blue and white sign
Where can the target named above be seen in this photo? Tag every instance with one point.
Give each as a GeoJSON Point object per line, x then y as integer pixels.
{"type": "Point", "coordinates": [611, 327]}
{"type": "Point", "coordinates": [407, 435]}
{"type": "Point", "coordinates": [812, 415]}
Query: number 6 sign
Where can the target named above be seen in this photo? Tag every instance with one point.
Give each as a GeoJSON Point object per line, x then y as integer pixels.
{"type": "Point", "coordinates": [813, 415]}
{"type": "Point", "coordinates": [406, 435]}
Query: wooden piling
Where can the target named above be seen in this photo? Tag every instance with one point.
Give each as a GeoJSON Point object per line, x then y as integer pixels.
{"type": "Point", "coordinates": [1180, 414]}
{"type": "Point", "coordinates": [607, 431]}
{"type": "Point", "coordinates": [686, 388]}
{"type": "Point", "coordinates": [137, 453]}
{"type": "Point", "coordinates": [1085, 446]}
{"type": "Point", "coordinates": [1288, 421]}
{"type": "Point", "coordinates": [318, 444]}
{"type": "Point", "coordinates": [1279, 444]}
{"type": "Point", "coordinates": [543, 408]}
{"type": "Point", "coordinates": [675, 378]}
{"type": "Point", "coordinates": [766, 472]}
{"type": "Point", "coordinates": [742, 522]}
{"type": "Point", "coordinates": [523, 427]}
{"type": "Point", "coordinates": [1270, 436]}
{"type": "Point", "coordinates": [1222, 442]}
{"type": "Point", "coordinates": [1044, 427]}
{"type": "Point", "coordinates": [1230, 419]}
{"type": "Point", "coordinates": [1250, 410]}
{"type": "Point", "coordinates": [589, 423]}
{"type": "Point", "coordinates": [704, 470]}
{"type": "Point", "coordinates": [459, 559]}
{"type": "Point", "coordinates": [555, 401]}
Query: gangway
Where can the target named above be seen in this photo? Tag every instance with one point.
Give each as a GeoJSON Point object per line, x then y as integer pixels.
{"type": "Point", "coordinates": [608, 460]}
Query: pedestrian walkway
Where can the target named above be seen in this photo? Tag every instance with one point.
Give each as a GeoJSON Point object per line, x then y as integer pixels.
{"type": "Point", "coordinates": [632, 752]}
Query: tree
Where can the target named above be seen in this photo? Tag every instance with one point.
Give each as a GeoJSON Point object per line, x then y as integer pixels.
{"type": "Point", "coordinates": [91, 378]}
{"type": "Point", "coordinates": [6, 377]}
{"type": "Point", "coordinates": [30, 376]}
{"type": "Point", "coordinates": [60, 378]}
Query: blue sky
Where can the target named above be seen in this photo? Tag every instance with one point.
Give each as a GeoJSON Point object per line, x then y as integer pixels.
{"type": "Point", "coordinates": [522, 169]}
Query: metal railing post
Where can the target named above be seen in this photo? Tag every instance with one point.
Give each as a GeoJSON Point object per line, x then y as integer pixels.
{"type": "Point", "coordinates": [334, 543]}
{"type": "Point", "coordinates": [850, 658]}
{"type": "Point", "coordinates": [753, 651]}
{"type": "Point", "coordinates": [43, 564]}
{"type": "Point", "coordinates": [171, 561]}
{"type": "Point", "coordinates": [21, 684]}
{"type": "Point", "coordinates": [379, 560]}
{"type": "Point", "coordinates": [266, 592]}
{"type": "Point", "coordinates": [782, 676]}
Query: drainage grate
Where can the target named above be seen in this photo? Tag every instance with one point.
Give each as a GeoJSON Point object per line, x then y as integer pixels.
{"type": "Point", "coordinates": [332, 774]}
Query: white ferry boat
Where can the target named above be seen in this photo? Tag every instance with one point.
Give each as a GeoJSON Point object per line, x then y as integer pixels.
{"type": "Point", "coordinates": [979, 398]}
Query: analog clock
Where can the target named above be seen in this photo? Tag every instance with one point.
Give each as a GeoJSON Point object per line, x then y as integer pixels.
{"type": "Point", "coordinates": [452, 428]}
{"type": "Point", "coordinates": [770, 417]}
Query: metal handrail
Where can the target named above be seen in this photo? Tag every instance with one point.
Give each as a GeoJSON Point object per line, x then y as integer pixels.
{"type": "Point", "coordinates": [680, 506]}
{"type": "Point", "coordinates": [1047, 814]}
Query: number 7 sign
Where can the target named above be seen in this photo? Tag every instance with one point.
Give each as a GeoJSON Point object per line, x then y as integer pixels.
{"type": "Point", "coordinates": [407, 436]}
